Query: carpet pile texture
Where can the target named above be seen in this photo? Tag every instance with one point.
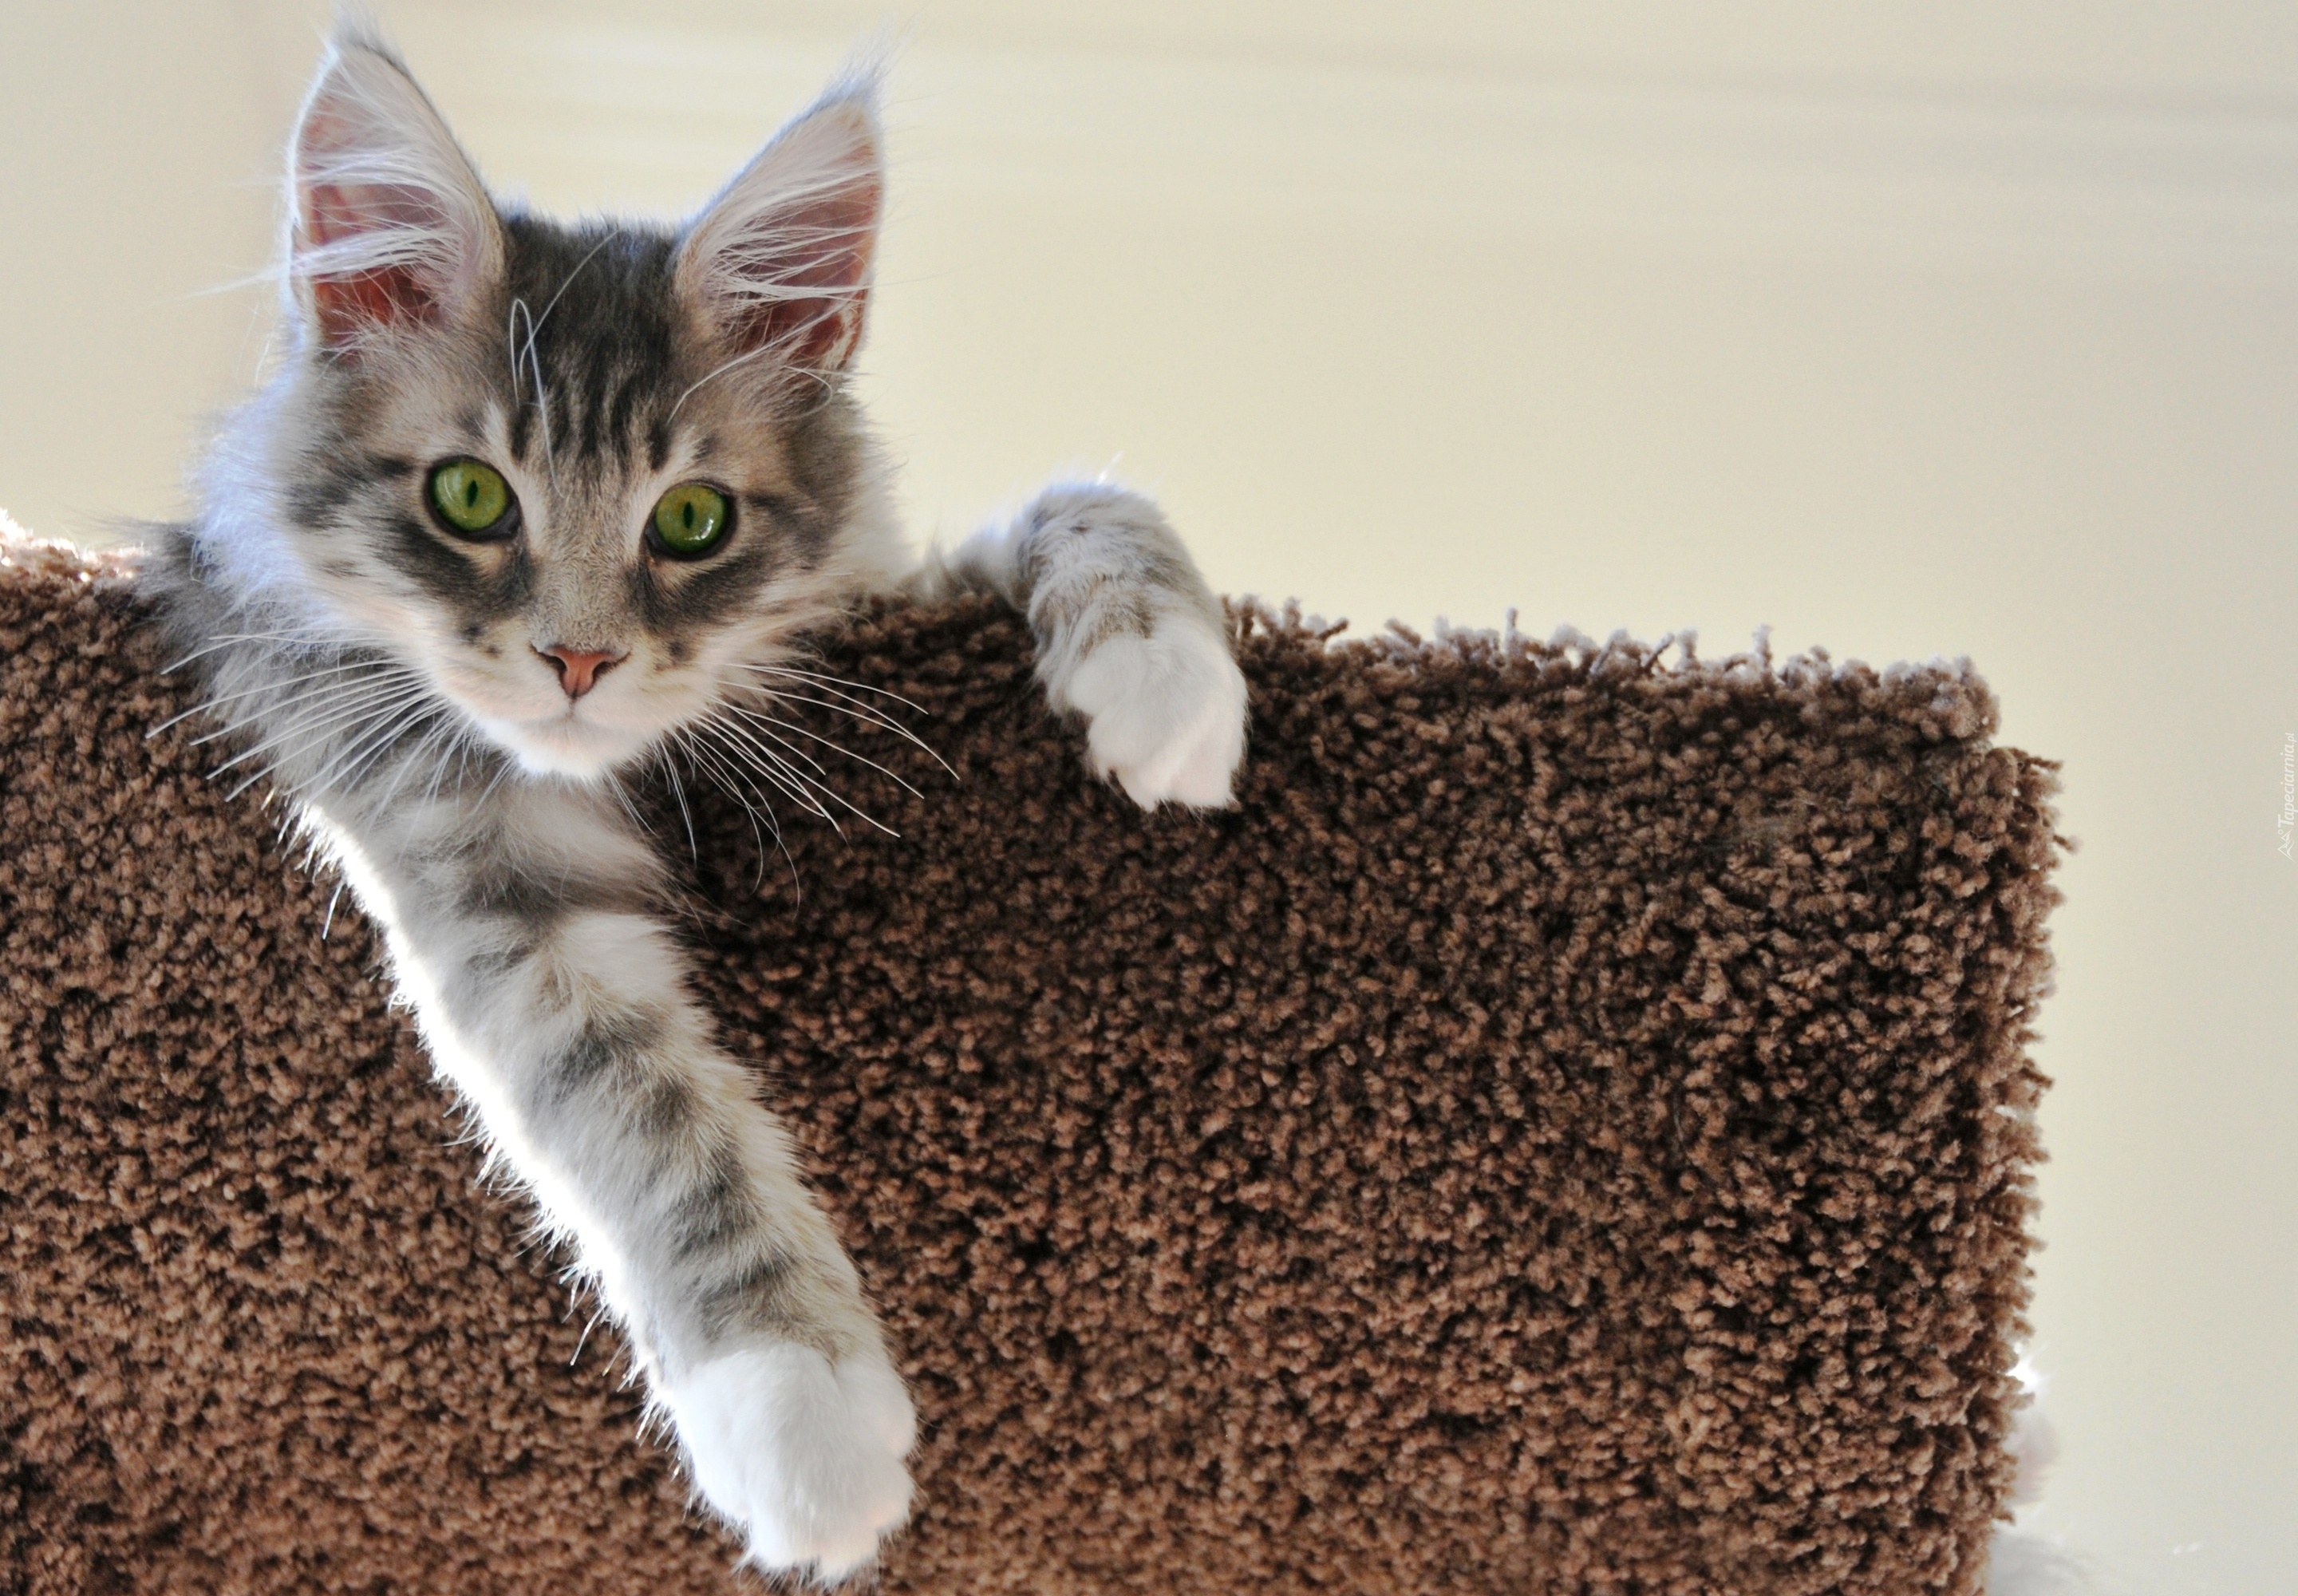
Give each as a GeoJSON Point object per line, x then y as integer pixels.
{"type": "Point", "coordinates": [1568, 1130]}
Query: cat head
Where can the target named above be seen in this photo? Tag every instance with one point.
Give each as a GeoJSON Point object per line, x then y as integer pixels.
{"type": "Point", "coordinates": [579, 479]}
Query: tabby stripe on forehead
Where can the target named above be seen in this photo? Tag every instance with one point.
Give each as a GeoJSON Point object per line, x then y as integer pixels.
{"type": "Point", "coordinates": [522, 429]}
{"type": "Point", "coordinates": [622, 414]}
{"type": "Point", "coordinates": [597, 433]}
{"type": "Point", "coordinates": [598, 331]}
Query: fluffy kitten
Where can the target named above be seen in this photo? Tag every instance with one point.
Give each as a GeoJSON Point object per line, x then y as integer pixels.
{"type": "Point", "coordinates": [524, 506]}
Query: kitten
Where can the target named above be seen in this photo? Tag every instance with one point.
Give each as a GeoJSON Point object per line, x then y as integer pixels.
{"type": "Point", "coordinates": [524, 506]}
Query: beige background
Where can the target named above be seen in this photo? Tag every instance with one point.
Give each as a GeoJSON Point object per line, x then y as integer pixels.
{"type": "Point", "coordinates": [1907, 328]}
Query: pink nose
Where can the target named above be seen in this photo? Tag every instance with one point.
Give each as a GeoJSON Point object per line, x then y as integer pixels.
{"type": "Point", "coordinates": [579, 669]}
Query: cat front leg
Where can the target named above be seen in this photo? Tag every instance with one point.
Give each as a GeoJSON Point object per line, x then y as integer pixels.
{"type": "Point", "coordinates": [1129, 635]}
{"type": "Point", "coordinates": [526, 929]}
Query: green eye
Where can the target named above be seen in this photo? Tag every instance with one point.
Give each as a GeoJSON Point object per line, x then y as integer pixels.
{"type": "Point", "coordinates": [691, 518]}
{"type": "Point", "coordinates": [471, 497]}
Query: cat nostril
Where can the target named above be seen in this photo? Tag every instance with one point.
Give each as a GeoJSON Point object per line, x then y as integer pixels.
{"type": "Point", "coordinates": [579, 669]}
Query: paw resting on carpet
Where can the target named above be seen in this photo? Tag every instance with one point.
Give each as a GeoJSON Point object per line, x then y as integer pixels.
{"type": "Point", "coordinates": [1131, 637]}
{"type": "Point", "coordinates": [804, 1457]}
{"type": "Point", "coordinates": [1164, 713]}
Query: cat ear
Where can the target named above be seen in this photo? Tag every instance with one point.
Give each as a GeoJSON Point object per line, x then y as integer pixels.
{"type": "Point", "coordinates": [780, 261]}
{"type": "Point", "coordinates": [391, 225]}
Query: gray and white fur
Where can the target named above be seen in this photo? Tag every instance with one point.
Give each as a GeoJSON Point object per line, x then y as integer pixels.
{"type": "Point", "coordinates": [453, 713]}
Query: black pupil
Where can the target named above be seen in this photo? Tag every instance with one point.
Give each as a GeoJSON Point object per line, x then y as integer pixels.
{"type": "Point", "coordinates": [471, 494]}
{"type": "Point", "coordinates": [686, 513]}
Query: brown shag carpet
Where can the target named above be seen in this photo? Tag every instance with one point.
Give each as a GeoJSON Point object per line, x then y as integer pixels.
{"type": "Point", "coordinates": [1569, 1131]}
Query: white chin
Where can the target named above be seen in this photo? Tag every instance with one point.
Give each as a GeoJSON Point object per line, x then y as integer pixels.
{"type": "Point", "coordinates": [578, 751]}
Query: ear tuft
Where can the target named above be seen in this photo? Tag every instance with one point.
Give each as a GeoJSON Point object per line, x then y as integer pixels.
{"type": "Point", "coordinates": [780, 263]}
{"type": "Point", "coordinates": [390, 224]}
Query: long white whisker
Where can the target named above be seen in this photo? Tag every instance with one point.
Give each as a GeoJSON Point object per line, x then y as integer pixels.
{"type": "Point", "coordinates": [452, 741]}
{"type": "Point", "coordinates": [868, 717]}
{"type": "Point", "coordinates": [351, 705]}
{"type": "Point", "coordinates": [409, 762]}
{"type": "Point", "coordinates": [440, 734]}
{"type": "Point", "coordinates": [382, 741]}
{"type": "Point", "coordinates": [210, 706]}
{"type": "Point", "coordinates": [851, 711]}
{"type": "Point", "coordinates": [510, 351]}
{"type": "Point", "coordinates": [316, 698]}
{"type": "Point", "coordinates": [718, 372]}
{"type": "Point", "coordinates": [534, 363]}
{"type": "Point", "coordinates": [622, 796]}
{"type": "Point", "coordinates": [756, 743]}
{"type": "Point", "coordinates": [318, 737]}
{"type": "Point", "coordinates": [812, 787]}
{"type": "Point", "coordinates": [535, 326]}
{"type": "Point", "coordinates": [738, 773]}
{"type": "Point", "coordinates": [831, 682]}
{"type": "Point", "coordinates": [764, 721]}
{"type": "Point", "coordinates": [365, 753]}
{"type": "Point", "coordinates": [845, 703]}
{"type": "Point", "coordinates": [225, 641]}
{"type": "Point", "coordinates": [762, 761]}
{"type": "Point", "coordinates": [839, 747]}
{"type": "Point", "coordinates": [733, 782]}
{"type": "Point", "coordinates": [316, 716]}
{"type": "Point", "coordinates": [670, 769]}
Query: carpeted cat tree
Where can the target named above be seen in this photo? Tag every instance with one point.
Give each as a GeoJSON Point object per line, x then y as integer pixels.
{"type": "Point", "coordinates": [1567, 1132]}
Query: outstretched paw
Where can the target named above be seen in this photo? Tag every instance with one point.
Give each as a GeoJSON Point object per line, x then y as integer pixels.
{"type": "Point", "coordinates": [1129, 636]}
{"type": "Point", "coordinates": [1165, 713]}
{"type": "Point", "coordinates": [804, 1457]}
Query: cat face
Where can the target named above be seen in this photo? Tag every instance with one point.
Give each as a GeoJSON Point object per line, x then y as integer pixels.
{"type": "Point", "coordinates": [581, 479]}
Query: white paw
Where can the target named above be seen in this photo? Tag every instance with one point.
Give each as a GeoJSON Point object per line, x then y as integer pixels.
{"type": "Point", "coordinates": [804, 1458]}
{"type": "Point", "coordinates": [1166, 712]}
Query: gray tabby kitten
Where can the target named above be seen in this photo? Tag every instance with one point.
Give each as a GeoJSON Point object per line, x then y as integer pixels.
{"type": "Point", "coordinates": [525, 505]}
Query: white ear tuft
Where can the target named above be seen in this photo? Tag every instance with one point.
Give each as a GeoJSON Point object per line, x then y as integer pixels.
{"type": "Point", "coordinates": [390, 224]}
{"type": "Point", "coordinates": [780, 261]}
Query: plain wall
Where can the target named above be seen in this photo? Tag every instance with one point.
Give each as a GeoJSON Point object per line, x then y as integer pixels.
{"type": "Point", "coordinates": [1904, 329]}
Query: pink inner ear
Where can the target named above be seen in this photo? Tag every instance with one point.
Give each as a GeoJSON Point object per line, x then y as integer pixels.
{"type": "Point", "coordinates": [348, 303]}
{"type": "Point", "coordinates": [819, 331]}
{"type": "Point", "coordinates": [374, 238]}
